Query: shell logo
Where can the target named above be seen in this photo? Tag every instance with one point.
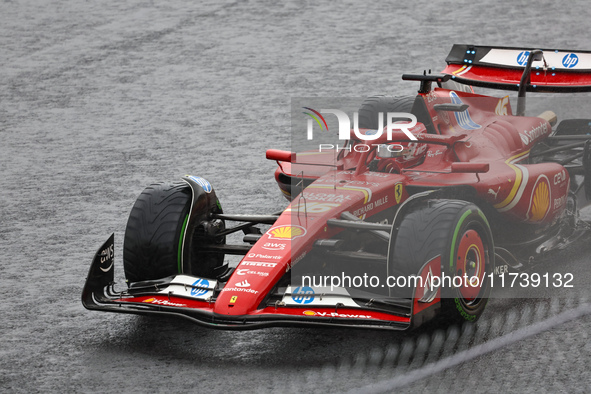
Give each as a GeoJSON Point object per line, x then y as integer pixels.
{"type": "Point", "coordinates": [149, 300]}
{"type": "Point", "coordinates": [309, 313]}
{"type": "Point", "coordinates": [540, 200]}
{"type": "Point", "coordinates": [286, 232]}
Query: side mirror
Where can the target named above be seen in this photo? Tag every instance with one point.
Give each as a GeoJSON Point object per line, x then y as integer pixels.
{"type": "Point", "coordinates": [280, 155]}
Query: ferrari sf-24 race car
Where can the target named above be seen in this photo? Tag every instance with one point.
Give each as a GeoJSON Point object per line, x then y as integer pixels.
{"type": "Point", "coordinates": [479, 191]}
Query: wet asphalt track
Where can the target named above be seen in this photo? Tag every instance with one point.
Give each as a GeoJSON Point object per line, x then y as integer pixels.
{"type": "Point", "coordinates": [98, 100]}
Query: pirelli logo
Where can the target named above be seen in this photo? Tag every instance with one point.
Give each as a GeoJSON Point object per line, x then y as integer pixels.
{"type": "Point", "coordinates": [258, 264]}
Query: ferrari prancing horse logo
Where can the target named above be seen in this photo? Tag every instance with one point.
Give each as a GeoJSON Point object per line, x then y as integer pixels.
{"type": "Point", "coordinates": [398, 192]}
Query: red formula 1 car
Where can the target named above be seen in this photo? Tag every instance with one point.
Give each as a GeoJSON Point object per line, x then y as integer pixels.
{"type": "Point", "coordinates": [472, 190]}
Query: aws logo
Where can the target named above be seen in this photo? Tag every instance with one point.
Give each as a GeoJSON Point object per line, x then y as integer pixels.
{"type": "Point", "coordinates": [106, 256]}
{"type": "Point", "coordinates": [274, 246]}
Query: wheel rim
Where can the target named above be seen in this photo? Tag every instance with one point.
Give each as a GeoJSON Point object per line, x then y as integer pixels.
{"type": "Point", "coordinates": [470, 265]}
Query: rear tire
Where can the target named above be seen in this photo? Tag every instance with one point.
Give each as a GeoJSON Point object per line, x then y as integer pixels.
{"type": "Point", "coordinates": [458, 232]}
{"type": "Point", "coordinates": [154, 234]}
{"type": "Point", "coordinates": [372, 106]}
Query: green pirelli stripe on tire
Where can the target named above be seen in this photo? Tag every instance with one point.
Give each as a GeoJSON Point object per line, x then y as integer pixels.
{"type": "Point", "coordinates": [455, 237]}
{"type": "Point", "coordinates": [483, 218]}
{"type": "Point", "coordinates": [180, 251]}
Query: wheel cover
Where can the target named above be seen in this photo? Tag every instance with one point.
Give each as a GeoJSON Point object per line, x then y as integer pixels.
{"type": "Point", "coordinates": [470, 265]}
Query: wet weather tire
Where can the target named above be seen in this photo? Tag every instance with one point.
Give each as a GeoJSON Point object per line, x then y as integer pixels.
{"type": "Point", "coordinates": [154, 234]}
{"type": "Point", "coordinates": [459, 232]}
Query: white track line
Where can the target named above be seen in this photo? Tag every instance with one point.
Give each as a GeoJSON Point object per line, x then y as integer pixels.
{"type": "Point", "coordinates": [476, 351]}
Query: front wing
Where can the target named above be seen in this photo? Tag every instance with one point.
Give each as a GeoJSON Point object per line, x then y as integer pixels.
{"type": "Point", "coordinates": [193, 298]}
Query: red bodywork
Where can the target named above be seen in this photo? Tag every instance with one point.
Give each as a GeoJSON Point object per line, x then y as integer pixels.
{"type": "Point", "coordinates": [484, 149]}
{"type": "Point", "coordinates": [521, 192]}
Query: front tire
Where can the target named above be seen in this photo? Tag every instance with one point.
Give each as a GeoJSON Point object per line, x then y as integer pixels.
{"type": "Point", "coordinates": [459, 232]}
{"type": "Point", "coordinates": [154, 234]}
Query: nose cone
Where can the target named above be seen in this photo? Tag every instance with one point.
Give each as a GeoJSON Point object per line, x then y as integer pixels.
{"type": "Point", "coordinates": [251, 281]}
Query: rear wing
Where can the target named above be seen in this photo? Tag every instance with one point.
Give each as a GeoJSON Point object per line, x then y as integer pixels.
{"type": "Point", "coordinates": [552, 70]}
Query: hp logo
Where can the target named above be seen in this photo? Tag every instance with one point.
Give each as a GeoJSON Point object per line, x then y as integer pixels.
{"type": "Point", "coordinates": [303, 295]}
{"type": "Point", "coordinates": [522, 58]}
{"type": "Point", "coordinates": [204, 284]}
{"type": "Point", "coordinates": [570, 60]}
